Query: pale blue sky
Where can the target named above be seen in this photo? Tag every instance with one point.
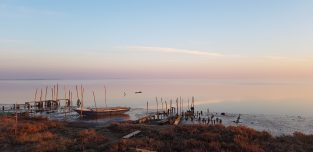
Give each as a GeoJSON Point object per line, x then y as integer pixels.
{"type": "Point", "coordinates": [63, 39]}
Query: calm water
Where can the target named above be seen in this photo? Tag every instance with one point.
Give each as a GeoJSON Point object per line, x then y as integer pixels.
{"type": "Point", "coordinates": [233, 96]}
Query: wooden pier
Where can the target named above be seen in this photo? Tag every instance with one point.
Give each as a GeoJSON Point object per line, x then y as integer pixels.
{"type": "Point", "coordinates": [36, 106]}
{"type": "Point", "coordinates": [176, 114]}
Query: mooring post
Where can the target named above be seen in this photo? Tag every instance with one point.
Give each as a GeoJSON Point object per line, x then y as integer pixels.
{"type": "Point", "coordinates": [182, 105]}
{"type": "Point", "coordinates": [162, 104]}
{"type": "Point", "coordinates": [65, 91]}
{"type": "Point", "coordinates": [35, 95]}
{"type": "Point", "coordinates": [147, 107]}
{"type": "Point", "coordinates": [71, 98]}
{"type": "Point", "coordinates": [15, 120]}
{"type": "Point", "coordinates": [188, 104]}
{"type": "Point", "coordinates": [105, 96]}
{"type": "Point", "coordinates": [171, 109]}
{"type": "Point", "coordinates": [57, 95]}
{"type": "Point", "coordinates": [54, 93]}
{"type": "Point", "coordinates": [82, 97]}
{"type": "Point", "coordinates": [166, 107]}
{"type": "Point", "coordinates": [156, 99]}
{"type": "Point", "coordinates": [40, 95]}
{"type": "Point", "coordinates": [46, 93]}
{"type": "Point", "coordinates": [177, 106]}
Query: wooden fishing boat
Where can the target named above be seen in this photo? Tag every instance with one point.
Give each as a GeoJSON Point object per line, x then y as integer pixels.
{"type": "Point", "coordinates": [102, 111]}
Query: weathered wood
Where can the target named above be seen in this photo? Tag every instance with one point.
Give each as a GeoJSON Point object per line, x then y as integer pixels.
{"type": "Point", "coordinates": [147, 107]}
{"type": "Point", "coordinates": [105, 96]}
{"type": "Point", "coordinates": [177, 121]}
{"type": "Point", "coordinates": [142, 150]}
{"type": "Point", "coordinates": [163, 121]}
{"type": "Point", "coordinates": [94, 99]}
{"type": "Point", "coordinates": [131, 134]}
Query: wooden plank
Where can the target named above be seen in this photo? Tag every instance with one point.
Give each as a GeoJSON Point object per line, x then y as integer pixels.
{"type": "Point", "coordinates": [163, 121]}
{"type": "Point", "coordinates": [143, 150]}
{"type": "Point", "coordinates": [131, 134]}
{"type": "Point", "coordinates": [177, 121]}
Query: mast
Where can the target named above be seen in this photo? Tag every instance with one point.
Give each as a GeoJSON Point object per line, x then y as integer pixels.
{"type": "Point", "coordinates": [105, 96]}
{"type": "Point", "coordinates": [82, 97]}
{"type": "Point", "coordinates": [94, 99]}
{"type": "Point", "coordinates": [35, 95]}
{"type": "Point", "coordinates": [46, 93]}
{"type": "Point", "coordinates": [77, 93]}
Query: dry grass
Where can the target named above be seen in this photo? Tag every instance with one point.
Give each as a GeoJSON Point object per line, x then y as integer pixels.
{"type": "Point", "coordinates": [23, 138]}
{"type": "Point", "coordinates": [208, 138]}
{"type": "Point", "coordinates": [41, 135]}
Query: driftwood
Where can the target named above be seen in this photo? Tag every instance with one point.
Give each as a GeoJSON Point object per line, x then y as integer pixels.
{"type": "Point", "coordinates": [177, 121]}
{"type": "Point", "coordinates": [131, 134]}
{"type": "Point", "coordinates": [143, 150]}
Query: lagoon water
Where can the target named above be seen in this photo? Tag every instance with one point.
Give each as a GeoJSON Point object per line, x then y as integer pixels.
{"type": "Point", "coordinates": [293, 98]}
{"type": "Point", "coordinates": [280, 107]}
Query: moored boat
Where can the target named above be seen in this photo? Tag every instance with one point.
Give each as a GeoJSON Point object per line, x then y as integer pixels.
{"type": "Point", "coordinates": [102, 111]}
{"type": "Point", "coordinates": [99, 111]}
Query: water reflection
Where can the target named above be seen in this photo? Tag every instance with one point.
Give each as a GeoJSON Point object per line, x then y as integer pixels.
{"type": "Point", "coordinates": [240, 96]}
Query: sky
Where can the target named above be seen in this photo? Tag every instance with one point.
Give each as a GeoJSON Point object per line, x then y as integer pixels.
{"type": "Point", "coordinates": [225, 39]}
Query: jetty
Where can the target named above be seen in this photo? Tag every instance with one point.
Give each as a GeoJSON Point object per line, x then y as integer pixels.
{"type": "Point", "coordinates": [177, 114]}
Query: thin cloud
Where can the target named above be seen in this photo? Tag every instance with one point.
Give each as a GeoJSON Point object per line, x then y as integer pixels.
{"type": "Point", "coordinates": [277, 57]}
{"type": "Point", "coordinates": [11, 41]}
{"type": "Point", "coordinates": [23, 11]}
{"type": "Point", "coordinates": [284, 58]}
{"type": "Point", "coordinates": [176, 51]}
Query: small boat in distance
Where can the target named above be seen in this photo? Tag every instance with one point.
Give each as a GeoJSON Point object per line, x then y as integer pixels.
{"type": "Point", "coordinates": [100, 111]}
{"type": "Point", "coordinates": [138, 92]}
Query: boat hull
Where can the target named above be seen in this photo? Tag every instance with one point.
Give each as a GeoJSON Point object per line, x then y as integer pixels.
{"type": "Point", "coordinates": [106, 112]}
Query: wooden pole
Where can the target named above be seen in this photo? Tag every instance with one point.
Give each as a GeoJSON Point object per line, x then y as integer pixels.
{"type": "Point", "coordinates": [15, 118]}
{"type": "Point", "coordinates": [71, 98]}
{"type": "Point", "coordinates": [193, 101]}
{"type": "Point", "coordinates": [188, 104]}
{"type": "Point", "coordinates": [82, 100]}
{"type": "Point", "coordinates": [40, 99]}
{"type": "Point", "coordinates": [35, 95]}
{"type": "Point", "coordinates": [180, 105]}
{"type": "Point", "coordinates": [177, 106]}
{"type": "Point", "coordinates": [77, 93]}
{"type": "Point", "coordinates": [69, 94]}
{"type": "Point", "coordinates": [52, 94]}
{"type": "Point", "coordinates": [94, 99]}
{"type": "Point", "coordinates": [40, 95]}
{"type": "Point", "coordinates": [46, 93]}
{"type": "Point", "coordinates": [171, 106]}
{"type": "Point", "coordinates": [183, 104]}
{"type": "Point", "coordinates": [57, 96]}
{"type": "Point", "coordinates": [83, 97]}
{"type": "Point", "coordinates": [147, 107]}
{"type": "Point", "coordinates": [105, 96]}
{"type": "Point", "coordinates": [156, 100]}
{"type": "Point", "coordinates": [165, 106]}
{"type": "Point", "coordinates": [162, 104]}
{"type": "Point", "coordinates": [65, 92]}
